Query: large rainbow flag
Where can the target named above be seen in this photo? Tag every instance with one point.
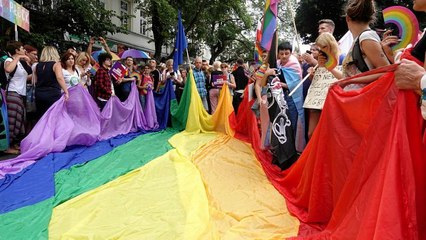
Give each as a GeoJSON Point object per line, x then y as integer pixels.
{"type": "Point", "coordinates": [212, 180]}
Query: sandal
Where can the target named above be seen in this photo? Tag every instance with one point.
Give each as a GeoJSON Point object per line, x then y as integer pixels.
{"type": "Point", "coordinates": [12, 151]}
{"type": "Point", "coordinates": [17, 147]}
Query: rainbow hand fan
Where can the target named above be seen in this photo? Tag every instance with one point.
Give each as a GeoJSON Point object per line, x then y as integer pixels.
{"type": "Point", "coordinates": [407, 24]}
{"type": "Point", "coordinates": [331, 60]}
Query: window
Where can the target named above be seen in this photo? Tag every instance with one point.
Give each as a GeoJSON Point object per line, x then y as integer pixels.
{"type": "Point", "coordinates": [124, 10]}
{"type": "Point", "coordinates": [143, 25]}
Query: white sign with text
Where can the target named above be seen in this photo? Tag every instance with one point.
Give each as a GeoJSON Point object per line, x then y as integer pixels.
{"type": "Point", "coordinates": [319, 88]}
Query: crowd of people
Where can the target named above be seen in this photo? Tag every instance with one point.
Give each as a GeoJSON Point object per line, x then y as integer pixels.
{"type": "Point", "coordinates": [370, 49]}
{"type": "Point", "coordinates": [34, 82]}
{"type": "Point", "coordinates": [42, 81]}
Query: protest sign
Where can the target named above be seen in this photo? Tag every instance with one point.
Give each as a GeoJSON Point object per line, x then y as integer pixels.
{"type": "Point", "coordinates": [319, 88]}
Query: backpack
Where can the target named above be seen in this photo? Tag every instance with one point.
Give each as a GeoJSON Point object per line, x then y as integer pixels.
{"type": "Point", "coordinates": [357, 56]}
{"type": "Point", "coordinates": [4, 79]}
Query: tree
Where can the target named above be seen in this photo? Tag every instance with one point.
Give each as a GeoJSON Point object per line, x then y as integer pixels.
{"type": "Point", "coordinates": [225, 23]}
{"type": "Point", "coordinates": [78, 17]}
{"type": "Point", "coordinates": [214, 23]}
{"type": "Point", "coordinates": [163, 19]}
{"type": "Point", "coordinates": [309, 12]}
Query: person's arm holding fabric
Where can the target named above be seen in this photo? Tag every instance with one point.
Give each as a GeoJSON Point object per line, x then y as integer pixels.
{"type": "Point", "coordinates": [57, 68]}
{"type": "Point", "coordinates": [177, 78]}
{"type": "Point", "coordinates": [411, 76]}
{"type": "Point", "coordinates": [128, 79]}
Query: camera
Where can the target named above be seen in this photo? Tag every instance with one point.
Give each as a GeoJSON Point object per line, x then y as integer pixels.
{"type": "Point", "coordinates": [172, 73]}
{"type": "Point", "coordinates": [309, 52]}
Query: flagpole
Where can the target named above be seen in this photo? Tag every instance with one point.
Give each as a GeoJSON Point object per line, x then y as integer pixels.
{"type": "Point", "coordinates": [294, 25]}
{"type": "Point", "coordinates": [301, 82]}
{"type": "Point", "coordinates": [189, 60]}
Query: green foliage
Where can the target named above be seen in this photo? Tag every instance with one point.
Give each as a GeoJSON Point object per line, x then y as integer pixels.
{"type": "Point", "coordinates": [215, 23]}
{"type": "Point", "coordinates": [225, 22]}
{"type": "Point", "coordinates": [78, 17]}
{"type": "Point", "coordinates": [309, 12]}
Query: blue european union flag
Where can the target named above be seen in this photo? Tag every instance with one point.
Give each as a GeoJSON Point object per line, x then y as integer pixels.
{"type": "Point", "coordinates": [180, 44]}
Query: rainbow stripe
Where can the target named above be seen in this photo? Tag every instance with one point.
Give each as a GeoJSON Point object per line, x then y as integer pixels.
{"type": "Point", "coordinates": [406, 22]}
{"type": "Point", "coordinates": [332, 61]}
{"type": "Point", "coordinates": [269, 23]}
{"type": "Point", "coordinates": [162, 185]}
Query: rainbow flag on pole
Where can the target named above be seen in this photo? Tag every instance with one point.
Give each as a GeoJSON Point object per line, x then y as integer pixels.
{"type": "Point", "coordinates": [257, 48]}
{"type": "Point", "coordinates": [269, 23]}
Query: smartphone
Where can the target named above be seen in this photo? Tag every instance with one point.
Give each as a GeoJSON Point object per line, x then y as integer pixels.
{"type": "Point", "coordinates": [308, 51]}
{"type": "Point", "coordinates": [393, 27]}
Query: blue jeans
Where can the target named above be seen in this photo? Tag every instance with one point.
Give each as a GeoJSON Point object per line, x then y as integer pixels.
{"type": "Point", "coordinates": [205, 104]}
{"type": "Point", "coordinates": [142, 100]}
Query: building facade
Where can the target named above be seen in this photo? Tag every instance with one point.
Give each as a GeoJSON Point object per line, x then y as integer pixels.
{"type": "Point", "coordinates": [139, 36]}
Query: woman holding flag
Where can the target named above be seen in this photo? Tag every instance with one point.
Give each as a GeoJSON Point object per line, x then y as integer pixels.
{"type": "Point", "coordinates": [367, 52]}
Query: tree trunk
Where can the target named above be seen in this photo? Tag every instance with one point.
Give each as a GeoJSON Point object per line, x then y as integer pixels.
{"type": "Point", "coordinates": [157, 29]}
{"type": "Point", "coordinates": [216, 50]}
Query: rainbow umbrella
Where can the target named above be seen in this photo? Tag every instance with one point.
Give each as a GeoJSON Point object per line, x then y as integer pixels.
{"type": "Point", "coordinates": [134, 54]}
{"type": "Point", "coordinates": [95, 55]}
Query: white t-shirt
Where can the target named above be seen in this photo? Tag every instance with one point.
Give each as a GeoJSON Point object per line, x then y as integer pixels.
{"type": "Point", "coordinates": [368, 35]}
{"type": "Point", "coordinates": [71, 79]}
{"type": "Point", "coordinates": [18, 83]}
{"type": "Point", "coordinates": [349, 69]}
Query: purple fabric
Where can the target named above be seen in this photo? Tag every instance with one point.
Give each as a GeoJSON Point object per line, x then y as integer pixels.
{"type": "Point", "coordinates": [149, 110]}
{"type": "Point", "coordinates": [78, 121]}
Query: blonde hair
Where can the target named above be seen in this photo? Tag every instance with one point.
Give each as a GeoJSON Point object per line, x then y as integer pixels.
{"type": "Point", "coordinates": [169, 62]}
{"type": "Point", "coordinates": [80, 57]}
{"type": "Point", "coordinates": [327, 43]}
{"type": "Point", "coordinates": [216, 65]}
{"type": "Point", "coordinates": [48, 54]}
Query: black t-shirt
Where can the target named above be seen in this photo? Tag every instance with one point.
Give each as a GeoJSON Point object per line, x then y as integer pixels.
{"type": "Point", "coordinates": [241, 79]}
{"type": "Point", "coordinates": [420, 49]}
{"type": "Point", "coordinates": [155, 77]}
